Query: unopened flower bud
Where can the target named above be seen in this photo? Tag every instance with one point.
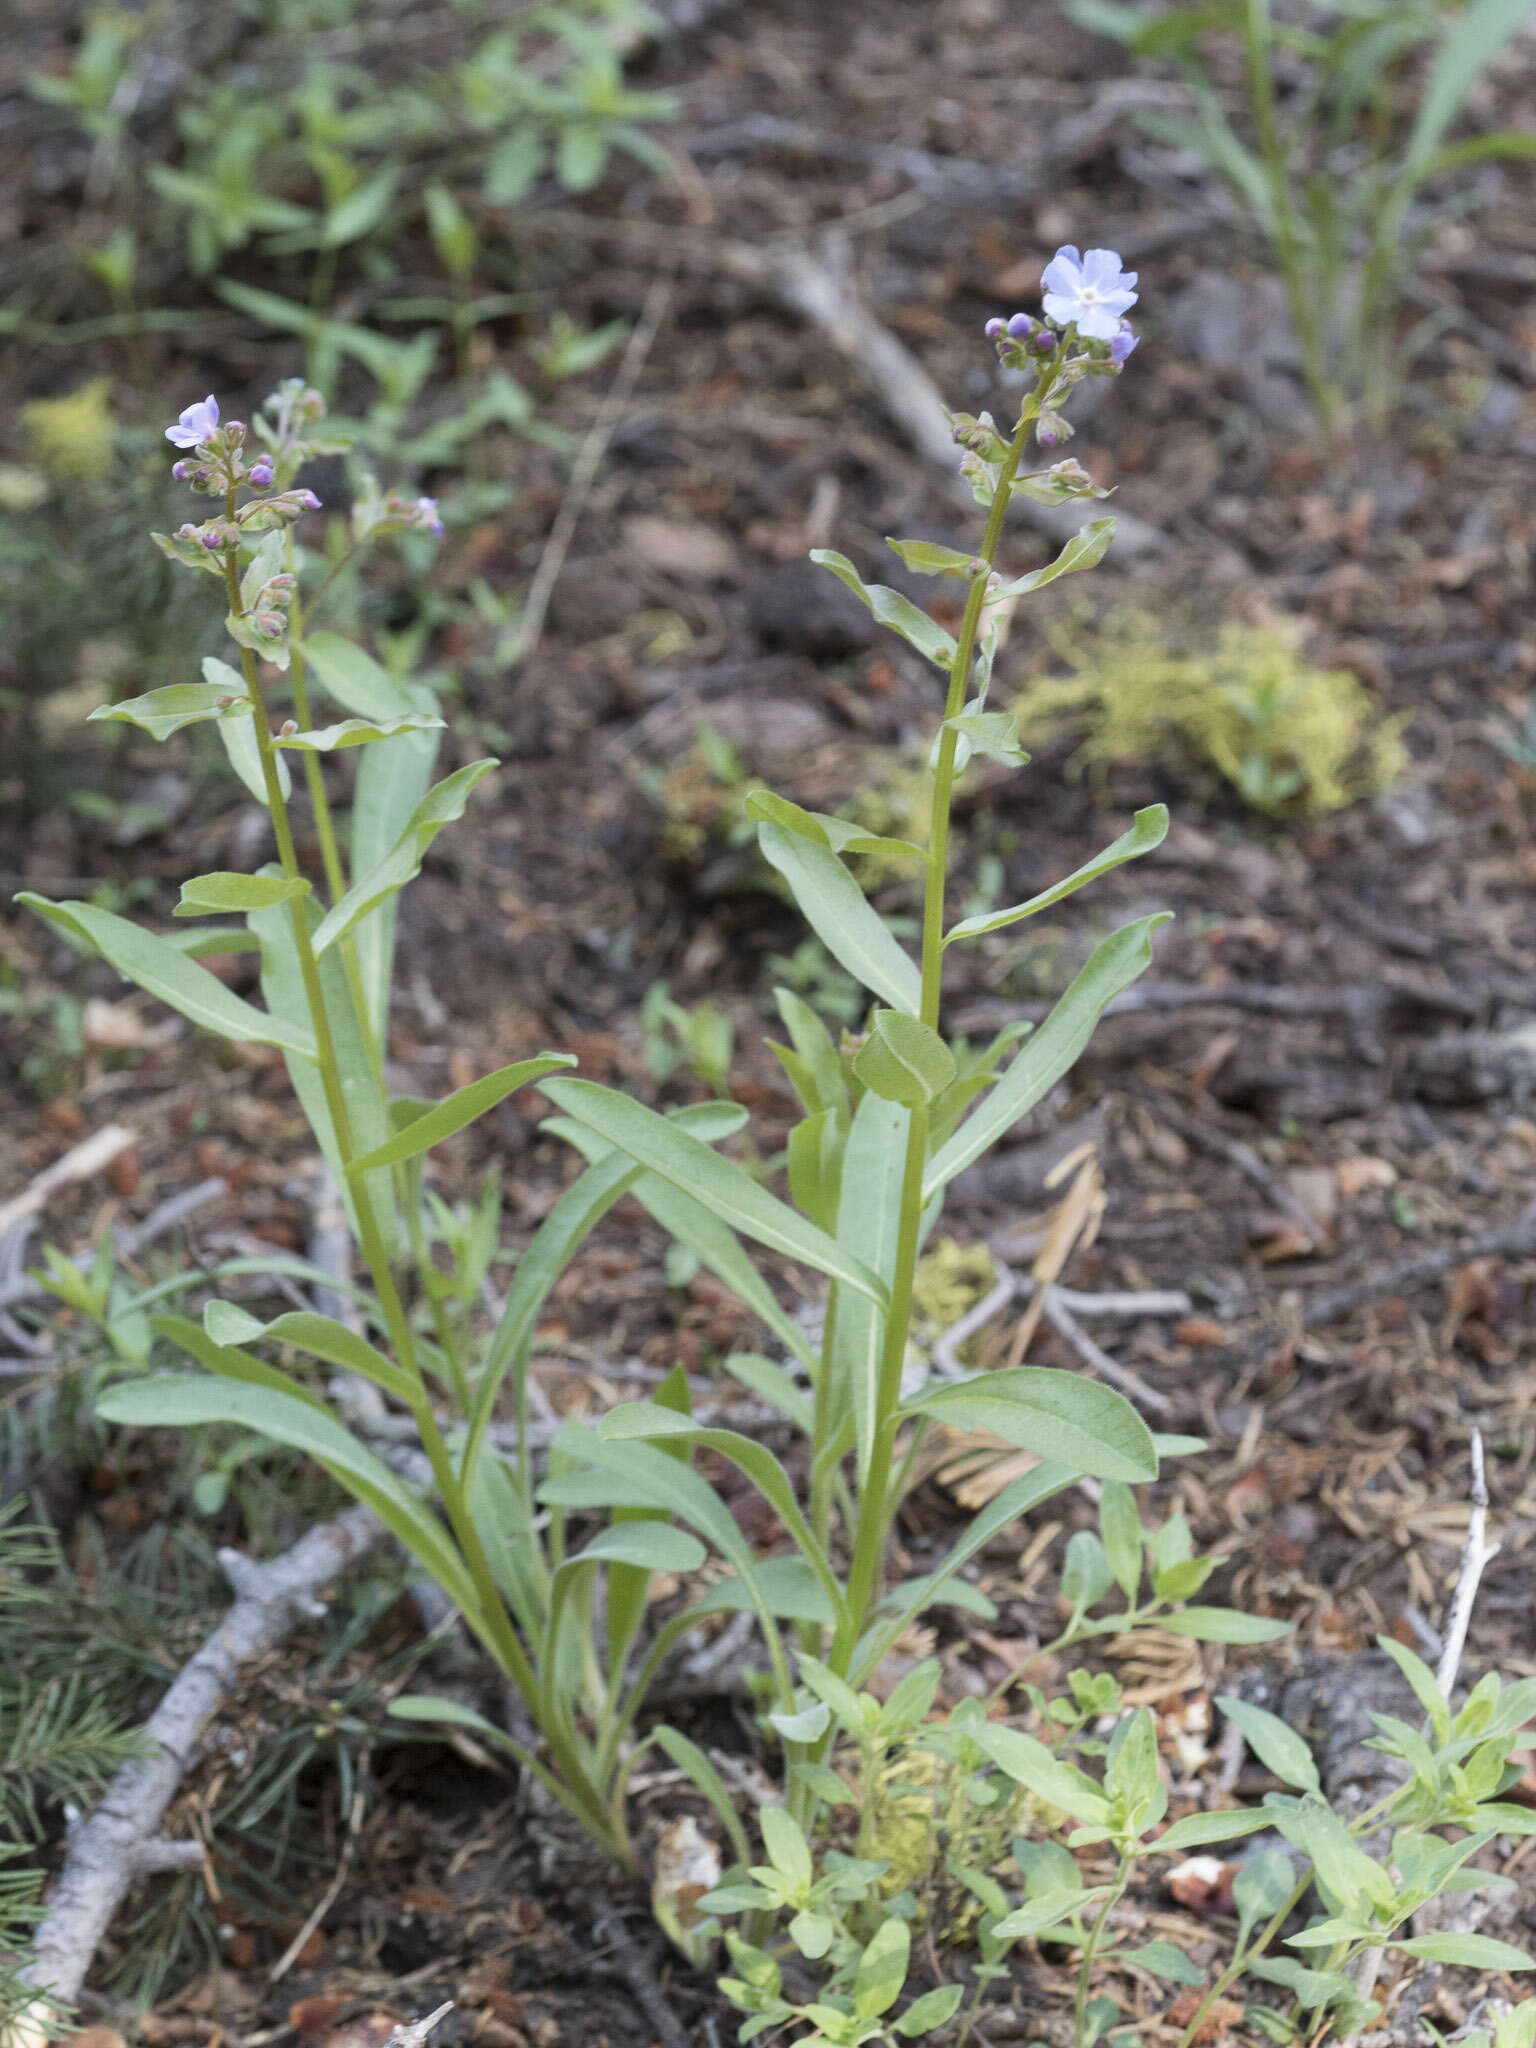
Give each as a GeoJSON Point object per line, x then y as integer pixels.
{"type": "Point", "coordinates": [1045, 341]}
{"type": "Point", "coordinates": [1124, 344]}
{"type": "Point", "coordinates": [1071, 474]}
{"type": "Point", "coordinates": [976, 566]}
{"type": "Point", "coordinates": [262, 471]}
{"type": "Point", "coordinates": [234, 432]}
{"type": "Point", "coordinates": [210, 539]}
{"type": "Point", "coordinates": [1021, 327]}
{"type": "Point", "coordinates": [288, 727]}
{"type": "Point", "coordinates": [308, 500]}
{"type": "Point", "coordinates": [994, 328]}
{"type": "Point", "coordinates": [182, 471]}
{"type": "Point", "coordinates": [1051, 432]}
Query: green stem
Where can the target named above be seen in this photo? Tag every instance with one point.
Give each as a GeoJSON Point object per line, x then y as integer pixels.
{"type": "Point", "coordinates": [876, 1505]}
{"type": "Point", "coordinates": [1091, 1949]}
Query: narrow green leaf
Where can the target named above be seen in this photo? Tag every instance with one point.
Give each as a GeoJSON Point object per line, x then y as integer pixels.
{"type": "Point", "coordinates": [1030, 1764]}
{"type": "Point", "coordinates": [1274, 1742]}
{"type": "Point", "coordinates": [162, 970]}
{"type": "Point", "coordinates": [354, 732]}
{"type": "Point", "coordinates": [439, 807]}
{"type": "Point", "coordinates": [819, 828]}
{"type": "Point", "coordinates": [652, 1546]}
{"type": "Point", "coordinates": [325, 1338]}
{"type": "Point", "coordinates": [837, 910]}
{"type": "Point", "coordinates": [1120, 1531]}
{"type": "Point", "coordinates": [904, 1060]}
{"type": "Point", "coordinates": [182, 1402]}
{"type": "Point", "coordinates": [1466, 1951]}
{"type": "Point", "coordinates": [1163, 1960]}
{"type": "Point", "coordinates": [868, 1223]}
{"type": "Point", "coordinates": [786, 1845]}
{"type": "Point", "coordinates": [1048, 1910]}
{"type": "Point", "coordinates": [1149, 830]}
{"type": "Point", "coordinates": [357, 682]}
{"type": "Point", "coordinates": [1068, 1420]}
{"type": "Point", "coordinates": [882, 1969]}
{"type": "Point", "coordinates": [1197, 1829]}
{"type": "Point", "coordinates": [892, 609]}
{"type": "Point", "coordinates": [1469, 43]}
{"type": "Point", "coordinates": [162, 712]}
{"type": "Point", "coordinates": [721, 1184]}
{"type": "Point", "coordinates": [690, 1758]}
{"type": "Point", "coordinates": [1223, 1625]}
{"type": "Point", "coordinates": [928, 558]}
{"type": "Point", "coordinates": [1050, 1052]}
{"type": "Point", "coordinates": [217, 894]}
{"type": "Point", "coordinates": [1086, 547]}
{"type": "Point", "coordinates": [459, 1109]}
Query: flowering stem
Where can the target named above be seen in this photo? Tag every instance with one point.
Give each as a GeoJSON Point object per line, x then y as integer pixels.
{"type": "Point", "coordinates": [877, 1504]}
{"type": "Point", "coordinates": [493, 1622]}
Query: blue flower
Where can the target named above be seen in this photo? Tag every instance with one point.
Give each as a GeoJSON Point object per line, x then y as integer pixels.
{"type": "Point", "coordinates": [427, 516]}
{"type": "Point", "coordinates": [1092, 290]}
{"type": "Point", "coordinates": [1124, 344]}
{"type": "Point", "coordinates": [199, 423]}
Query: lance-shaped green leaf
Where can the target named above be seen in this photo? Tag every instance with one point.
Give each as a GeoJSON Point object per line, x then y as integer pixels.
{"type": "Point", "coordinates": [882, 1969]}
{"type": "Point", "coordinates": [439, 807]}
{"type": "Point", "coordinates": [229, 1361]}
{"type": "Point", "coordinates": [904, 1060]}
{"type": "Point", "coordinates": [836, 909]}
{"type": "Point", "coordinates": [1274, 1742]}
{"type": "Point", "coordinates": [1051, 1051]}
{"type": "Point", "coordinates": [282, 983]}
{"type": "Point", "coordinates": [162, 712]}
{"type": "Point", "coordinates": [164, 971]}
{"type": "Point", "coordinates": [693, 1225]}
{"type": "Point", "coordinates": [1048, 1910]}
{"type": "Point", "coordinates": [355, 679]}
{"type": "Point", "coordinates": [892, 609]}
{"type": "Point", "coordinates": [1067, 1419]}
{"type": "Point", "coordinates": [721, 1184]}
{"type": "Point", "coordinates": [1223, 1625]}
{"type": "Point", "coordinates": [928, 558]}
{"type": "Point", "coordinates": [321, 1337]}
{"type": "Point", "coordinates": [821, 829]}
{"type": "Point", "coordinates": [814, 1159]}
{"type": "Point", "coordinates": [219, 894]}
{"type": "Point", "coordinates": [354, 732]}
{"type": "Point", "coordinates": [812, 1041]}
{"type": "Point", "coordinates": [1030, 1764]}
{"type": "Point", "coordinates": [1197, 1829]}
{"type": "Point", "coordinates": [1149, 829]}
{"type": "Point", "coordinates": [185, 1402]}
{"type": "Point", "coordinates": [868, 1222]}
{"type": "Point", "coordinates": [460, 1108]}
{"type": "Point", "coordinates": [1466, 1951]}
{"type": "Point", "coordinates": [1082, 551]}
{"type": "Point", "coordinates": [649, 1421]}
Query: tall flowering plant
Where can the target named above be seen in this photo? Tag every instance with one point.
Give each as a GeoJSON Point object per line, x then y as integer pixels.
{"type": "Point", "coordinates": [890, 1117]}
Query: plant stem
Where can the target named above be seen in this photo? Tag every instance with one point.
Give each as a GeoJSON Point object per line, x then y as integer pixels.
{"type": "Point", "coordinates": [876, 1505]}
{"type": "Point", "coordinates": [1091, 1949]}
{"type": "Point", "coordinates": [494, 1624]}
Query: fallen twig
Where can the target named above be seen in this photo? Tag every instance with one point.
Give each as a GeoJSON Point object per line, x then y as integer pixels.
{"type": "Point", "coordinates": [119, 1842]}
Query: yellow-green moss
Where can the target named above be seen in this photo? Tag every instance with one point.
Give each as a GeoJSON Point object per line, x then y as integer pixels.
{"type": "Point", "coordinates": [1290, 738]}
{"type": "Point", "coordinates": [72, 437]}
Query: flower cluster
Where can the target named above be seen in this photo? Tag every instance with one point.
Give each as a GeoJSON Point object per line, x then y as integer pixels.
{"type": "Point", "coordinates": [376, 511]}
{"type": "Point", "coordinates": [1086, 297]}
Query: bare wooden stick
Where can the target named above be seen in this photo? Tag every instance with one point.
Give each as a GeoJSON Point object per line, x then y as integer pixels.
{"type": "Point", "coordinates": [119, 1841]}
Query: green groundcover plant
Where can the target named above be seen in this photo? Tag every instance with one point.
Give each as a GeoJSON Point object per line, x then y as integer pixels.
{"type": "Point", "coordinates": [552, 1571]}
